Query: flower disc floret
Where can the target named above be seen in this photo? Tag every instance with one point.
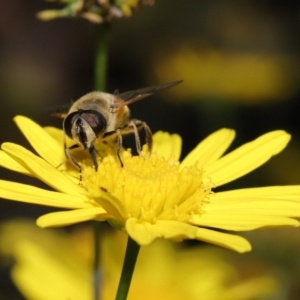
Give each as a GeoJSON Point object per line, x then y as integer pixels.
{"type": "Point", "coordinates": [148, 188]}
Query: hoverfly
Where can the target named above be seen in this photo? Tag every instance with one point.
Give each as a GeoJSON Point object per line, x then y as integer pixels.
{"type": "Point", "coordinates": [99, 115]}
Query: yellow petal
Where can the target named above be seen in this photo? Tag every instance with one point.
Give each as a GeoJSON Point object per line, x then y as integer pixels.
{"type": "Point", "coordinates": [259, 206]}
{"type": "Point", "coordinates": [210, 149]}
{"type": "Point", "coordinates": [175, 230]}
{"type": "Point", "coordinates": [144, 233]}
{"type": "Point", "coordinates": [178, 231]}
{"type": "Point", "coordinates": [55, 133]}
{"type": "Point", "coordinates": [34, 268]}
{"type": "Point", "coordinates": [8, 162]}
{"type": "Point", "coordinates": [255, 288]}
{"type": "Point", "coordinates": [65, 218]}
{"type": "Point", "coordinates": [247, 157]}
{"type": "Point", "coordinates": [42, 170]}
{"type": "Point", "coordinates": [113, 206]}
{"type": "Point", "coordinates": [277, 192]}
{"type": "Point", "coordinates": [30, 194]}
{"type": "Point", "coordinates": [226, 240]}
{"type": "Point", "coordinates": [43, 143]}
{"type": "Point", "coordinates": [167, 145]}
{"type": "Point", "coordinates": [242, 222]}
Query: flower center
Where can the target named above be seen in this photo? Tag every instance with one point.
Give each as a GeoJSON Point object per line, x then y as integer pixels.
{"type": "Point", "coordinates": [148, 188]}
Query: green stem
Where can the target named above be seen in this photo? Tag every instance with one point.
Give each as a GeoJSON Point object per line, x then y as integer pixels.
{"type": "Point", "coordinates": [96, 263]}
{"type": "Point", "coordinates": [100, 82]}
{"type": "Point", "coordinates": [131, 255]}
{"type": "Point", "coordinates": [101, 57]}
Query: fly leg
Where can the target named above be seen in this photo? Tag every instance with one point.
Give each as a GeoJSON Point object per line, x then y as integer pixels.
{"type": "Point", "coordinates": [93, 154]}
{"type": "Point", "coordinates": [136, 126]}
{"type": "Point", "coordinates": [132, 127]}
{"type": "Point", "coordinates": [119, 145]}
{"type": "Point", "coordinates": [71, 158]}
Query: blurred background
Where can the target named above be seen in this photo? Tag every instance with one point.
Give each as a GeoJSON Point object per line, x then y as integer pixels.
{"type": "Point", "coordinates": [240, 62]}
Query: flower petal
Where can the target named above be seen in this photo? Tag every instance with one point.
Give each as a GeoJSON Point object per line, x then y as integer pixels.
{"type": "Point", "coordinates": [43, 143]}
{"type": "Point", "coordinates": [112, 205]}
{"type": "Point", "coordinates": [58, 134]}
{"type": "Point", "coordinates": [144, 233]}
{"type": "Point", "coordinates": [30, 194]}
{"type": "Point", "coordinates": [256, 206]}
{"type": "Point", "coordinates": [242, 222]}
{"type": "Point", "coordinates": [55, 133]}
{"type": "Point", "coordinates": [65, 218]}
{"type": "Point", "coordinates": [210, 149]}
{"type": "Point", "coordinates": [9, 163]}
{"type": "Point", "coordinates": [42, 170]}
{"type": "Point", "coordinates": [230, 241]}
{"type": "Point", "coordinates": [276, 192]}
{"type": "Point", "coordinates": [34, 262]}
{"type": "Point", "coordinates": [167, 145]}
{"type": "Point", "coordinates": [247, 157]}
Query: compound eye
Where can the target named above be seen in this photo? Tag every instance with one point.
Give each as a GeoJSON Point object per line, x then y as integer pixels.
{"type": "Point", "coordinates": [69, 121]}
{"type": "Point", "coordinates": [95, 119]}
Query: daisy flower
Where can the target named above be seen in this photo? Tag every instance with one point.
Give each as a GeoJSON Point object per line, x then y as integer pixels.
{"type": "Point", "coordinates": [46, 269]}
{"type": "Point", "coordinates": [155, 196]}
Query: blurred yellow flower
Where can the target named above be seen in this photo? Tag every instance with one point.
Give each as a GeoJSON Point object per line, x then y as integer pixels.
{"type": "Point", "coordinates": [94, 11]}
{"type": "Point", "coordinates": [247, 78]}
{"type": "Point", "coordinates": [156, 196]}
{"type": "Point", "coordinates": [47, 269]}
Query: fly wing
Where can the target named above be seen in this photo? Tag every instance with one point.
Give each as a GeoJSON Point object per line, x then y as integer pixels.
{"type": "Point", "coordinates": [136, 95]}
{"type": "Point", "coordinates": [59, 111]}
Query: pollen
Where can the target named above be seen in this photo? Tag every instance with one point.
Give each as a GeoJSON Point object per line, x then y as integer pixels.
{"type": "Point", "coordinates": [148, 188]}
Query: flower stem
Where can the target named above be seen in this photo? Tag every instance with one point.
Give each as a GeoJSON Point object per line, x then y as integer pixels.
{"type": "Point", "coordinates": [101, 57]}
{"type": "Point", "coordinates": [131, 255]}
{"type": "Point", "coordinates": [96, 263]}
{"type": "Point", "coordinates": [100, 82]}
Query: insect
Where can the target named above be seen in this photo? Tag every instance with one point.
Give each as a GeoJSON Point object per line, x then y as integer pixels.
{"type": "Point", "coordinates": [99, 115]}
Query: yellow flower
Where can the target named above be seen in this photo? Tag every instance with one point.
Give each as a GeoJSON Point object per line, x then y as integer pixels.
{"type": "Point", "coordinates": [217, 74]}
{"type": "Point", "coordinates": [155, 195]}
{"type": "Point", "coordinates": [46, 269]}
